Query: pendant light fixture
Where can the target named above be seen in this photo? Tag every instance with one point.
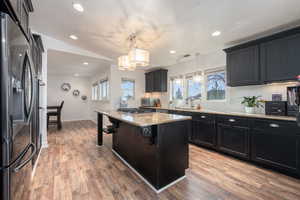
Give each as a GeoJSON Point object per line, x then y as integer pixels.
{"type": "Point", "coordinates": [136, 57]}
{"type": "Point", "coordinates": [124, 63]}
{"type": "Point", "coordinates": [139, 57]}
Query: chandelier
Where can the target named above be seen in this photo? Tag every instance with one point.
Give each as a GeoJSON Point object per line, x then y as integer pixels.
{"type": "Point", "coordinates": [136, 57]}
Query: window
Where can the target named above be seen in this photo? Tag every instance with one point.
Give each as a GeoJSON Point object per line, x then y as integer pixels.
{"type": "Point", "coordinates": [177, 89]}
{"type": "Point", "coordinates": [127, 87]}
{"type": "Point", "coordinates": [215, 85]}
{"type": "Point", "coordinates": [100, 90]}
{"type": "Point", "coordinates": [193, 87]}
{"type": "Point", "coordinates": [103, 89]}
{"type": "Point", "coordinates": [95, 92]}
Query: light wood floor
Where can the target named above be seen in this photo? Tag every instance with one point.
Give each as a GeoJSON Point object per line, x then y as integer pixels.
{"type": "Point", "coordinates": [74, 168]}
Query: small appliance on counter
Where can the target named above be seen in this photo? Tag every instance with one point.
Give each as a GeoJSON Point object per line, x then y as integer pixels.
{"type": "Point", "coordinates": [276, 108]}
{"type": "Point", "coordinates": [150, 102]}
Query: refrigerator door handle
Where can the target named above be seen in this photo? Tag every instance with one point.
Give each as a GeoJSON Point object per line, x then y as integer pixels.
{"type": "Point", "coordinates": [19, 158]}
{"type": "Point", "coordinates": [22, 164]}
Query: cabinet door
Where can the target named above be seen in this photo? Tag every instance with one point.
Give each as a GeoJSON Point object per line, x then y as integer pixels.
{"type": "Point", "coordinates": [280, 59]}
{"type": "Point", "coordinates": [276, 144]}
{"type": "Point", "coordinates": [163, 81]}
{"type": "Point", "coordinates": [233, 140]}
{"type": "Point", "coordinates": [149, 82]}
{"type": "Point", "coordinates": [243, 67]}
{"type": "Point", "coordinates": [156, 81]}
{"type": "Point", "coordinates": [203, 133]}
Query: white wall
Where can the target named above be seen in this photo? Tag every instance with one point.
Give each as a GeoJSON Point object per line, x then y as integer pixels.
{"type": "Point", "coordinates": [115, 77]}
{"type": "Point", "coordinates": [74, 108]}
{"type": "Point", "coordinates": [104, 105]}
{"type": "Point", "coordinates": [234, 94]}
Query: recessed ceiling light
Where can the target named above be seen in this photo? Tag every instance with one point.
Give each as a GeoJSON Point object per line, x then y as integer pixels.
{"type": "Point", "coordinates": [86, 63]}
{"type": "Point", "coordinates": [76, 75]}
{"type": "Point", "coordinates": [172, 52]}
{"type": "Point", "coordinates": [78, 7]}
{"type": "Point", "coordinates": [74, 37]}
{"type": "Point", "coordinates": [216, 33]}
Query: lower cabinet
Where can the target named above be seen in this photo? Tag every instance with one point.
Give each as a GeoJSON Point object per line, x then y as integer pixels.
{"type": "Point", "coordinates": [203, 131]}
{"type": "Point", "coordinates": [271, 143]}
{"type": "Point", "coordinates": [276, 144]}
{"type": "Point", "coordinates": [233, 140]}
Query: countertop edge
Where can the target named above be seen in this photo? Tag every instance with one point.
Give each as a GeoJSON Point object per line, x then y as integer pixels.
{"type": "Point", "coordinates": [185, 118]}
{"type": "Point", "coordinates": [260, 116]}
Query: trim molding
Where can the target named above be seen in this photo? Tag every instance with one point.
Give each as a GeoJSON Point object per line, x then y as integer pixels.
{"type": "Point", "coordinates": [73, 120]}
{"type": "Point", "coordinates": [141, 177]}
{"type": "Point", "coordinates": [36, 163]}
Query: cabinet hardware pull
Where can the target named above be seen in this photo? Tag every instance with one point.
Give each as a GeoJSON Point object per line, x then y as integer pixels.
{"type": "Point", "coordinates": [231, 120]}
{"type": "Point", "coordinates": [274, 125]}
{"type": "Point", "coordinates": [203, 117]}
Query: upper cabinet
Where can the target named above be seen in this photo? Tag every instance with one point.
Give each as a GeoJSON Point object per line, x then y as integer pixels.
{"type": "Point", "coordinates": [280, 59]}
{"type": "Point", "coordinates": [274, 58]}
{"type": "Point", "coordinates": [243, 66]}
{"type": "Point", "coordinates": [156, 81]}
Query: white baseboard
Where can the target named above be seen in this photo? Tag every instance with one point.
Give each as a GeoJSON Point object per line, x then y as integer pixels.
{"type": "Point", "coordinates": [36, 163]}
{"type": "Point", "coordinates": [73, 120]}
{"type": "Point", "coordinates": [141, 177]}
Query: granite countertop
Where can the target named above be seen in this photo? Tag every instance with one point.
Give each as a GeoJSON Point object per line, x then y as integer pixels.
{"type": "Point", "coordinates": [239, 114]}
{"type": "Point", "coordinates": [144, 119]}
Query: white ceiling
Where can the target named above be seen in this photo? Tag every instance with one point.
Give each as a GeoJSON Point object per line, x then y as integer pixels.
{"type": "Point", "coordinates": [63, 63]}
{"type": "Point", "coordinates": [161, 25]}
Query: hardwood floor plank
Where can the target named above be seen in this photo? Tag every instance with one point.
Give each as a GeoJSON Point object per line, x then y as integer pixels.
{"type": "Point", "coordinates": [74, 168]}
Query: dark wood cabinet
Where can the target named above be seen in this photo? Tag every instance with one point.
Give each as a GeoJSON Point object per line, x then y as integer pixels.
{"type": "Point", "coordinates": [243, 67]}
{"type": "Point", "coordinates": [276, 144]}
{"type": "Point", "coordinates": [156, 81]}
{"type": "Point", "coordinates": [271, 143]}
{"type": "Point", "coordinates": [204, 130]}
{"type": "Point", "coordinates": [233, 136]}
{"type": "Point", "coordinates": [280, 59]}
{"type": "Point", "coordinates": [274, 58]}
{"type": "Point", "coordinates": [149, 84]}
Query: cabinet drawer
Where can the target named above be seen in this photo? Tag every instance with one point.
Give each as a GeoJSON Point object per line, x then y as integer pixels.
{"type": "Point", "coordinates": [203, 117]}
{"type": "Point", "coordinates": [276, 127]}
{"type": "Point", "coordinates": [233, 121]}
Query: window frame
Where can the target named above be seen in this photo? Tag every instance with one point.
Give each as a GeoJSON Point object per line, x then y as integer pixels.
{"type": "Point", "coordinates": [171, 87]}
{"type": "Point", "coordinates": [100, 88]}
{"type": "Point", "coordinates": [97, 94]}
{"type": "Point", "coordinates": [130, 80]}
{"type": "Point", "coordinates": [212, 71]}
{"type": "Point", "coordinates": [191, 77]}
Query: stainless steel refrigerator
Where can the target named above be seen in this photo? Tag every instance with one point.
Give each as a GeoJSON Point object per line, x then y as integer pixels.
{"type": "Point", "coordinates": [16, 104]}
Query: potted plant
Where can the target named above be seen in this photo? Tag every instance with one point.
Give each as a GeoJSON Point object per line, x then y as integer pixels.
{"type": "Point", "coordinates": [251, 103]}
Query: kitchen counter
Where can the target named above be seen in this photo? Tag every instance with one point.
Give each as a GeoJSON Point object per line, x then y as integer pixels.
{"type": "Point", "coordinates": [240, 114]}
{"type": "Point", "coordinates": [143, 119]}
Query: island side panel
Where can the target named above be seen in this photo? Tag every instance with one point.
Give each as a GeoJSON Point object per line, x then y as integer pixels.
{"type": "Point", "coordinates": [173, 151]}
{"type": "Point", "coordinates": [100, 129]}
{"type": "Point", "coordinates": [138, 150]}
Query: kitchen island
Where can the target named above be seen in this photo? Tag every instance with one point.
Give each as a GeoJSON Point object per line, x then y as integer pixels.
{"type": "Point", "coordinates": [153, 145]}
